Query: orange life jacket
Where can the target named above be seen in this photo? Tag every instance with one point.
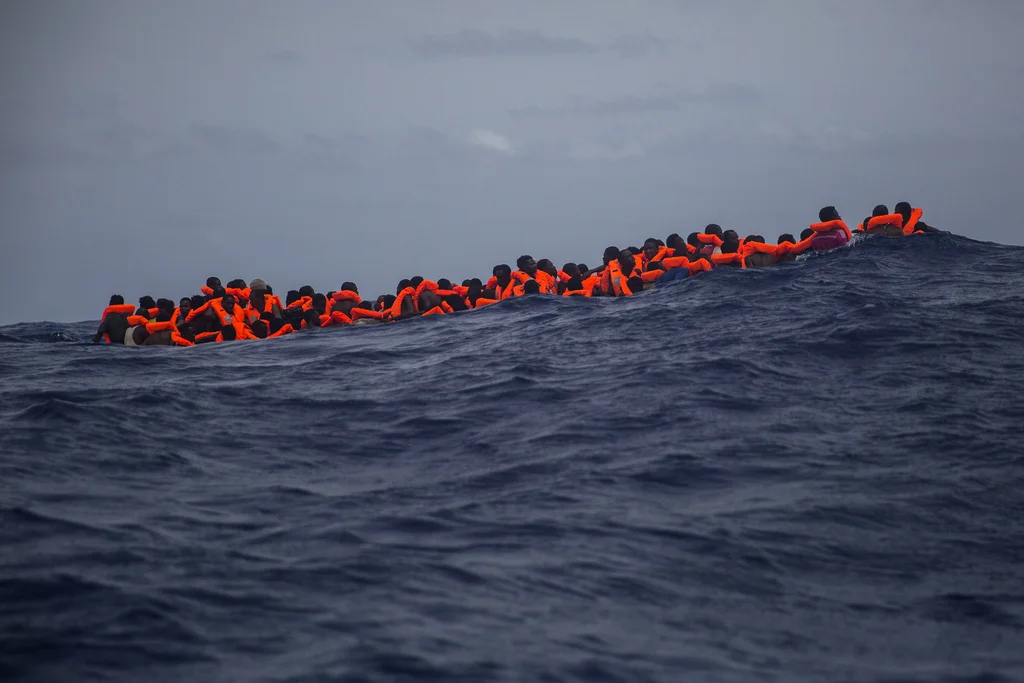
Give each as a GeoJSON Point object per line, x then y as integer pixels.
{"type": "Point", "coordinates": [911, 224]}
{"type": "Point", "coordinates": [360, 313]}
{"type": "Point", "coordinates": [828, 226]}
{"type": "Point", "coordinates": [396, 308]}
{"type": "Point", "coordinates": [285, 329]}
{"type": "Point", "coordinates": [122, 309]}
{"type": "Point", "coordinates": [728, 259]}
{"type": "Point", "coordinates": [893, 219]}
{"type": "Point", "coordinates": [334, 318]}
{"type": "Point", "coordinates": [305, 303]}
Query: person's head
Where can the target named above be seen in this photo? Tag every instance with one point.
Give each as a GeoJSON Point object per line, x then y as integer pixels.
{"type": "Point", "coordinates": [147, 302]}
{"type": "Point", "coordinates": [228, 332]}
{"type": "Point", "coordinates": [531, 287]}
{"type": "Point", "coordinates": [444, 283]}
{"type": "Point", "coordinates": [651, 247]}
{"type": "Point", "coordinates": [904, 209]}
{"type": "Point", "coordinates": [545, 265]}
{"type": "Point", "coordinates": [805, 233]}
{"type": "Point", "coordinates": [187, 331]}
{"type": "Point", "coordinates": [880, 210]}
{"type": "Point", "coordinates": [571, 269]}
{"type": "Point", "coordinates": [714, 229]}
{"type": "Point", "coordinates": [730, 242]}
{"type": "Point", "coordinates": [503, 273]}
{"type": "Point", "coordinates": [610, 254]}
{"type": "Point", "coordinates": [403, 284]}
{"type": "Point", "coordinates": [259, 328]}
{"type": "Point", "coordinates": [828, 213]}
{"type": "Point", "coordinates": [116, 300]}
{"type": "Point", "coordinates": [291, 297]}
{"type": "Point", "coordinates": [635, 284]}
{"type": "Point", "coordinates": [627, 261]}
{"type": "Point", "coordinates": [526, 264]}
{"type": "Point", "coordinates": [213, 282]}
{"type": "Point", "coordinates": [416, 281]}
{"type": "Point", "coordinates": [787, 238]}
{"type": "Point", "coordinates": [306, 290]}
{"type": "Point", "coordinates": [276, 324]}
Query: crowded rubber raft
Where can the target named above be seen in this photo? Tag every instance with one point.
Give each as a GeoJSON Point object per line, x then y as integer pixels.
{"type": "Point", "coordinates": [239, 311]}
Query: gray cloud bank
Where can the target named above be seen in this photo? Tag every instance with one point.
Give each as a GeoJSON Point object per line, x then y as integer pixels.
{"type": "Point", "coordinates": [145, 146]}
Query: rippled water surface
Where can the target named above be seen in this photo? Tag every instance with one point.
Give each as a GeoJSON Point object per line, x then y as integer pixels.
{"type": "Point", "coordinates": [808, 473]}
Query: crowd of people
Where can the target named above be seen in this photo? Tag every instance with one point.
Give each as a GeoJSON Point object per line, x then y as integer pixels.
{"type": "Point", "coordinates": [238, 311]}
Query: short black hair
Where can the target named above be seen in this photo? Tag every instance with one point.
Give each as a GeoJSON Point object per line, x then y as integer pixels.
{"type": "Point", "coordinates": [828, 213]}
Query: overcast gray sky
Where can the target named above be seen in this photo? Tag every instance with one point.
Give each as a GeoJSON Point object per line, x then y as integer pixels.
{"type": "Point", "coordinates": [145, 145]}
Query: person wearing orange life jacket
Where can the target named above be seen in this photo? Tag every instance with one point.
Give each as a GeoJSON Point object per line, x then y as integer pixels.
{"type": "Point", "coordinates": [883, 223]}
{"type": "Point", "coordinates": [114, 321]}
{"type": "Point", "coordinates": [450, 298]}
{"type": "Point", "coordinates": [624, 274]}
{"type": "Point", "coordinates": [501, 278]}
{"type": "Point", "coordinates": [404, 302]}
{"type": "Point", "coordinates": [212, 286]}
{"type": "Point", "coordinates": [546, 276]}
{"type": "Point", "coordinates": [786, 241]}
{"type": "Point", "coordinates": [729, 255]}
{"type": "Point", "coordinates": [830, 230]}
{"type": "Point", "coordinates": [912, 222]}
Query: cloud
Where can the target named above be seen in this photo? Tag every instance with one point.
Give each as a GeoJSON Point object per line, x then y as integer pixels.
{"type": "Point", "coordinates": [720, 94]}
{"type": "Point", "coordinates": [495, 142]}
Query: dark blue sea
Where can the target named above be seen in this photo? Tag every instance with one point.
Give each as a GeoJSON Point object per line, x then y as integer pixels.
{"type": "Point", "coordinates": [808, 473]}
